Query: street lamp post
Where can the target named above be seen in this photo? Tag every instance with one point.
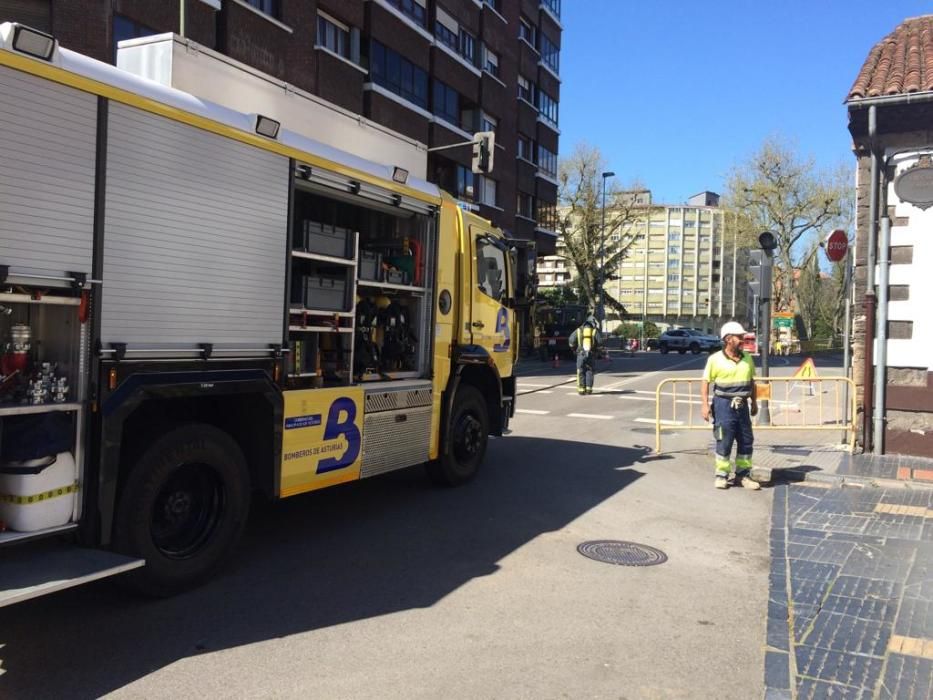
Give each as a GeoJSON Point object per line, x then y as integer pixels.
{"type": "Point", "coordinates": [602, 257]}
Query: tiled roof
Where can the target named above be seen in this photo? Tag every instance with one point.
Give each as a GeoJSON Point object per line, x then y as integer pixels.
{"type": "Point", "coordinates": [900, 63]}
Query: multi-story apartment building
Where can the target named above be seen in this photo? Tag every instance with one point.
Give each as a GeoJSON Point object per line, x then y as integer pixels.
{"type": "Point", "coordinates": [435, 71]}
{"type": "Point", "coordinates": [684, 266]}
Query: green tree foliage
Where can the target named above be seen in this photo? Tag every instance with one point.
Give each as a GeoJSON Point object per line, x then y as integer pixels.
{"type": "Point", "coordinates": [558, 296]}
{"type": "Point", "coordinates": [594, 251]}
{"type": "Point", "coordinates": [780, 191]}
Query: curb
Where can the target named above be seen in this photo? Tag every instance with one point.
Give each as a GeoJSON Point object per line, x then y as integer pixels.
{"type": "Point", "coordinates": [797, 475]}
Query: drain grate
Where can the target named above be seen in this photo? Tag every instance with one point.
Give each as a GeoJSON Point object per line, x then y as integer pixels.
{"type": "Point", "coordinates": [622, 553]}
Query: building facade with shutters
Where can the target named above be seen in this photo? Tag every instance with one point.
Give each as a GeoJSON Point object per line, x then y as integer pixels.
{"type": "Point", "coordinates": [435, 71]}
{"type": "Point", "coordinates": [684, 267]}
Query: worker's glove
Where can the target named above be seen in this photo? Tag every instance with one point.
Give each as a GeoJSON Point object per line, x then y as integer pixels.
{"type": "Point", "coordinates": [737, 403]}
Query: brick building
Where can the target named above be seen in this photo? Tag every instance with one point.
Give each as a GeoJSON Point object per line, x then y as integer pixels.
{"type": "Point", "coordinates": [890, 111]}
{"type": "Point", "coordinates": [433, 70]}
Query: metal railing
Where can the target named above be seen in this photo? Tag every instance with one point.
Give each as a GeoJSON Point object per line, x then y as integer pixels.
{"type": "Point", "coordinates": [819, 403]}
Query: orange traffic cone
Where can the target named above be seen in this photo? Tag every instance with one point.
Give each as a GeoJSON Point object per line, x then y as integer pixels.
{"type": "Point", "coordinates": [556, 363]}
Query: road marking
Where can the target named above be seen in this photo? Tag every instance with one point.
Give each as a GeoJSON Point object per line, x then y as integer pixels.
{"type": "Point", "coordinates": [540, 386]}
{"type": "Point", "coordinates": [662, 421]}
{"type": "Point", "coordinates": [636, 398]}
{"type": "Point", "coordinates": [543, 391]}
{"type": "Point", "coordinates": [589, 415]}
{"type": "Point", "coordinates": [531, 411]}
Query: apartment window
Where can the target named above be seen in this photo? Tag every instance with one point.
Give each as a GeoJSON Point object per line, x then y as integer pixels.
{"type": "Point", "coordinates": [526, 31]}
{"type": "Point", "coordinates": [333, 35]}
{"type": "Point", "coordinates": [547, 161]}
{"type": "Point", "coordinates": [674, 236]}
{"type": "Point", "coordinates": [526, 205]}
{"type": "Point", "coordinates": [490, 61]}
{"type": "Point", "coordinates": [547, 215]}
{"type": "Point", "coordinates": [547, 106]}
{"type": "Point", "coordinates": [524, 89]}
{"type": "Point", "coordinates": [550, 53]}
{"type": "Point", "coordinates": [466, 182]}
{"type": "Point", "coordinates": [525, 147]}
{"type": "Point", "coordinates": [494, 4]}
{"type": "Point", "coordinates": [552, 5]}
{"type": "Point", "coordinates": [674, 250]}
{"type": "Point", "coordinates": [414, 9]}
{"type": "Point", "coordinates": [468, 46]}
{"type": "Point", "coordinates": [673, 277]}
{"type": "Point", "coordinates": [447, 30]}
{"type": "Point", "coordinates": [673, 263]}
{"type": "Point", "coordinates": [488, 193]}
{"type": "Point", "coordinates": [269, 7]}
{"type": "Point", "coordinates": [398, 74]}
{"type": "Point", "coordinates": [446, 102]}
{"type": "Point", "coordinates": [487, 123]}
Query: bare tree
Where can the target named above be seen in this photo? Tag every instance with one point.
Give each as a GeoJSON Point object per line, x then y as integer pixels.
{"type": "Point", "coordinates": [780, 191]}
{"type": "Point", "coordinates": [595, 251]}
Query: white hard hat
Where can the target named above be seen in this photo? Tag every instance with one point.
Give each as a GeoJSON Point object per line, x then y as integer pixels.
{"type": "Point", "coordinates": [731, 328]}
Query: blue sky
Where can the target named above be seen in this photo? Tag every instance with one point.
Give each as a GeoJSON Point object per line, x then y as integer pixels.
{"type": "Point", "coordinates": [675, 93]}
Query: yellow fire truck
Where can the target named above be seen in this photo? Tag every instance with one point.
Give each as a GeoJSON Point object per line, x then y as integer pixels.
{"type": "Point", "coordinates": [199, 305]}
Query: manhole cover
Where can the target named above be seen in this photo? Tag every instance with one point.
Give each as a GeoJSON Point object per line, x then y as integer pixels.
{"type": "Point", "coordinates": [622, 553]}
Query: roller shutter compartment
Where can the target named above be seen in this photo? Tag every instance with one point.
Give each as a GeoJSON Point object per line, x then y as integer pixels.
{"type": "Point", "coordinates": [196, 229]}
{"type": "Point", "coordinates": [48, 145]}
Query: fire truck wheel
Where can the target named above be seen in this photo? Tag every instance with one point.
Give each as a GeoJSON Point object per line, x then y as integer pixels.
{"type": "Point", "coordinates": [468, 436]}
{"type": "Point", "coordinates": [182, 508]}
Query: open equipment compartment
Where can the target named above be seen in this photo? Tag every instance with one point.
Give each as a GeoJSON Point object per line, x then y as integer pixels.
{"type": "Point", "coordinates": [43, 366]}
{"type": "Point", "coordinates": [360, 290]}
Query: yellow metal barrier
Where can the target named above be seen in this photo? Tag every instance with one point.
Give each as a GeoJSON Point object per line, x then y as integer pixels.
{"type": "Point", "coordinates": [805, 405]}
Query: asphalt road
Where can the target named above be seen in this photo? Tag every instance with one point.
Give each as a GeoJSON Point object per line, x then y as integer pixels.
{"type": "Point", "coordinates": [391, 588]}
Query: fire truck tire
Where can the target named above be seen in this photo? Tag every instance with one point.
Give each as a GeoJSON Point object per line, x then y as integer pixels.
{"type": "Point", "coordinates": [182, 508]}
{"type": "Point", "coordinates": [468, 437]}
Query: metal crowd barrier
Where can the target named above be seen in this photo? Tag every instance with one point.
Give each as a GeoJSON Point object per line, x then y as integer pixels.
{"type": "Point", "coordinates": [819, 403]}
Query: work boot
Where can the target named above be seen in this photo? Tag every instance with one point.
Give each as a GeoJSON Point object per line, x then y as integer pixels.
{"type": "Point", "coordinates": [721, 481]}
{"type": "Point", "coordinates": [744, 480]}
{"type": "Point", "coordinates": [581, 392]}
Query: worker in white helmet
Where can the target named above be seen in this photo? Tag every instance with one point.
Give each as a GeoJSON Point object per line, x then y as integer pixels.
{"type": "Point", "coordinates": [731, 374]}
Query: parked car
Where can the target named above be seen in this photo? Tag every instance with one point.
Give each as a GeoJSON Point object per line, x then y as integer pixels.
{"type": "Point", "coordinates": [651, 344]}
{"type": "Point", "coordinates": [683, 339]}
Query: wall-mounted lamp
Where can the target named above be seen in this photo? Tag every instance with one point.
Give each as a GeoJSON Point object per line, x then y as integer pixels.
{"type": "Point", "coordinates": [915, 184]}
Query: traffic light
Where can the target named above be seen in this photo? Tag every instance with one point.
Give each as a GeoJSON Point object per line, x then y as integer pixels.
{"type": "Point", "coordinates": [484, 146]}
{"type": "Point", "coordinates": [754, 268]}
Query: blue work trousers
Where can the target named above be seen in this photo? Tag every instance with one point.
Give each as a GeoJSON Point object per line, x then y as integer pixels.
{"type": "Point", "coordinates": [584, 372]}
{"type": "Point", "coordinates": [732, 425]}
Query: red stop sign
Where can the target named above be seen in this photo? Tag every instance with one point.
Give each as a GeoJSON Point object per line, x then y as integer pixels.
{"type": "Point", "coordinates": [836, 245]}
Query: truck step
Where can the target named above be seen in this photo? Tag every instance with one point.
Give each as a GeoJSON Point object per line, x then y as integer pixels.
{"type": "Point", "coordinates": [31, 572]}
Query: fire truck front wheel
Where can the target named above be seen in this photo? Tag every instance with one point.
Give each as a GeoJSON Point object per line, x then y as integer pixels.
{"type": "Point", "coordinates": [467, 438]}
{"type": "Point", "coordinates": [182, 508]}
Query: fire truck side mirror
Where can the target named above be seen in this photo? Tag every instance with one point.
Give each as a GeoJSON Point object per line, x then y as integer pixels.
{"type": "Point", "coordinates": [484, 145]}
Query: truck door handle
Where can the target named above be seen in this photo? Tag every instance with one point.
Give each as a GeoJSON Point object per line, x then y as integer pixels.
{"type": "Point", "coordinates": [478, 324]}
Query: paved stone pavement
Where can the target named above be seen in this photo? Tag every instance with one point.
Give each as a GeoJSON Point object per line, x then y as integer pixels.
{"type": "Point", "coordinates": [850, 613]}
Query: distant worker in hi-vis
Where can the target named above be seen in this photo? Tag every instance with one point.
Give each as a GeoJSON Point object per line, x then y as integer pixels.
{"type": "Point", "coordinates": [731, 374]}
{"type": "Point", "coordinates": [585, 342]}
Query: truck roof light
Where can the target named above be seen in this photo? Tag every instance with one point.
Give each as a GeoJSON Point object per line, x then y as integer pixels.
{"type": "Point", "coordinates": [400, 175]}
{"type": "Point", "coordinates": [266, 126]}
{"type": "Point", "coordinates": [34, 43]}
